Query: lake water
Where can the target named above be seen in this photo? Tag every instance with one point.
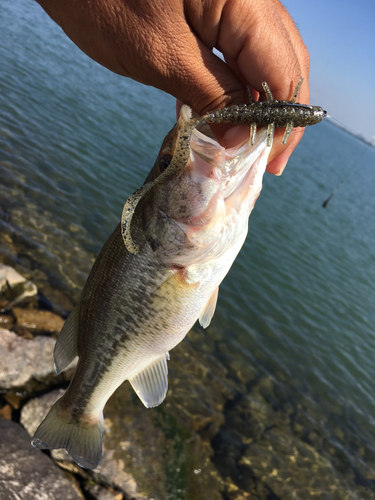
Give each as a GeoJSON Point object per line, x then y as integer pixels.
{"type": "Point", "coordinates": [297, 305]}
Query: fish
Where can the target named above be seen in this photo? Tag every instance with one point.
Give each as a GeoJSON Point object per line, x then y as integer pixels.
{"type": "Point", "coordinates": [157, 274]}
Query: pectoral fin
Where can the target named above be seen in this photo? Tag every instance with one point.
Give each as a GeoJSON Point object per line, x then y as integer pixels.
{"type": "Point", "coordinates": [207, 313]}
{"type": "Point", "coordinates": [151, 384]}
{"type": "Point", "coordinates": [66, 346]}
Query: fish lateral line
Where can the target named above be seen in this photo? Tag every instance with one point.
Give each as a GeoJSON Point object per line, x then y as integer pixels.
{"type": "Point", "coordinates": [271, 113]}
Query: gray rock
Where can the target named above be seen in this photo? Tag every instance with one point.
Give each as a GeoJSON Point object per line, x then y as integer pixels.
{"type": "Point", "coordinates": [13, 287]}
{"type": "Point", "coordinates": [23, 360]}
{"type": "Point", "coordinates": [27, 473]}
{"type": "Point", "coordinates": [27, 363]}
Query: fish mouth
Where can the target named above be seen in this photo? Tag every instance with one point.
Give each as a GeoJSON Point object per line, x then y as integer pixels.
{"type": "Point", "coordinates": [228, 166]}
{"type": "Point", "coordinates": [223, 185]}
{"type": "Point", "coordinates": [200, 212]}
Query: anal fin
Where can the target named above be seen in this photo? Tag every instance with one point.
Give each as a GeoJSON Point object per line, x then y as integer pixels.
{"type": "Point", "coordinates": [66, 346]}
{"type": "Point", "coordinates": [151, 384]}
{"type": "Point", "coordinates": [208, 312]}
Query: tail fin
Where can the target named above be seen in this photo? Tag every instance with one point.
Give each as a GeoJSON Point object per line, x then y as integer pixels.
{"type": "Point", "coordinates": [82, 437]}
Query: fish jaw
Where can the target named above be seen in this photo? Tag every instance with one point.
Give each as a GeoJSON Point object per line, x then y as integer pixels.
{"type": "Point", "coordinates": [197, 215]}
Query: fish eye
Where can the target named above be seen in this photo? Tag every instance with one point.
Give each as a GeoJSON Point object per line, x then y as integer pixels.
{"type": "Point", "coordinates": [164, 162]}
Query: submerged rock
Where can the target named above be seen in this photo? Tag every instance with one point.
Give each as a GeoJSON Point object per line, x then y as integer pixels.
{"type": "Point", "coordinates": [231, 432]}
{"type": "Point", "coordinates": [27, 473]}
{"type": "Point", "coordinates": [97, 492]}
{"type": "Point", "coordinates": [6, 321]}
{"type": "Point", "coordinates": [14, 288]}
{"type": "Point", "coordinates": [44, 322]}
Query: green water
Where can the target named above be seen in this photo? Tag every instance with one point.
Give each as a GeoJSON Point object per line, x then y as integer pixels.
{"type": "Point", "coordinates": [298, 304]}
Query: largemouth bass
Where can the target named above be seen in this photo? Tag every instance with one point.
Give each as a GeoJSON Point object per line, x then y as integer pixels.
{"type": "Point", "coordinates": [182, 233]}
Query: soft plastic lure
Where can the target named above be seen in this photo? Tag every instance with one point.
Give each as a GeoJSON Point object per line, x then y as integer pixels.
{"type": "Point", "coordinates": [270, 113]}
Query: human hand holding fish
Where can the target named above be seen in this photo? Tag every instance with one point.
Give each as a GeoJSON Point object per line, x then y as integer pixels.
{"type": "Point", "coordinates": [168, 44]}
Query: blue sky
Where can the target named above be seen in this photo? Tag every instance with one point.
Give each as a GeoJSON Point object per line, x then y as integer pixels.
{"type": "Point", "coordinates": [340, 36]}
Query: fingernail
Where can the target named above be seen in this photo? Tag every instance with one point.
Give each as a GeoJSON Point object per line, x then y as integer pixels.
{"type": "Point", "coordinates": [281, 168]}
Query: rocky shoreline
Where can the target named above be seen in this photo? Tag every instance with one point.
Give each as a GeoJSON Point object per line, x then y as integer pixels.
{"type": "Point", "coordinates": [28, 388]}
{"type": "Point", "coordinates": [223, 431]}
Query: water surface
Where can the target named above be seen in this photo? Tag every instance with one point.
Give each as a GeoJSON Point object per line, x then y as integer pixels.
{"type": "Point", "coordinates": [298, 305]}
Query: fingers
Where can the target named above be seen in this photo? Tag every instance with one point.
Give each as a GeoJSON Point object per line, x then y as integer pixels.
{"type": "Point", "coordinates": [168, 44]}
{"type": "Point", "coordinates": [260, 43]}
{"type": "Point", "coordinates": [268, 47]}
{"type": "Point", "coordinates": [258, 39]}
{"type": "Point", "coordinates": [279, 155]}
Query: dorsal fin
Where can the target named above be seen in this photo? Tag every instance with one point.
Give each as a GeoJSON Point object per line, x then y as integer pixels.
{"type": "Point", "coordinates": [66, 348]}
{"type": "Point", "coordinates": [209, 310]}
{"type": "Point", "coordinates": [151, 384]}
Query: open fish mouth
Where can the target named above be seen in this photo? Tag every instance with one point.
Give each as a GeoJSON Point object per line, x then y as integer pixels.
{"type": "Point", "coordinates": [200, 211]}
{"type": "Point", "coordinates": [217, 178]}
{"type": "Point", "coordinates": [228, 165]}
{"type": "Point", "coordinates": [209, 201]}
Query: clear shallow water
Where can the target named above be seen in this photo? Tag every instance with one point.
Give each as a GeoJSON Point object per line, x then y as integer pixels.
{"type": "Point", "coordinates": [298, 304]}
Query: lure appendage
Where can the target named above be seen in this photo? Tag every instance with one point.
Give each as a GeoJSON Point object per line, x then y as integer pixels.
{"type": "Point", "coordinates": [271, 113]}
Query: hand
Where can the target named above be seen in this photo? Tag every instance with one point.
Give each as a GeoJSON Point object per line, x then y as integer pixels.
{"type": "Point", "coordinates": [168, 44]}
